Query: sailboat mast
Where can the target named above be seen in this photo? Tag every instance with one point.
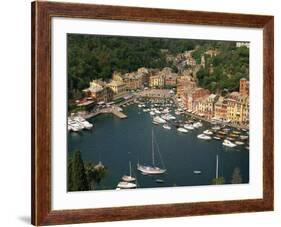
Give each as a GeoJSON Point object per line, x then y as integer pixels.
{"type": "Point", "coordinates": [153, 162]}
{"type": "Point", "coordinates": [130, 168]}
{"type": "Point", "coordinates": [217, 167]}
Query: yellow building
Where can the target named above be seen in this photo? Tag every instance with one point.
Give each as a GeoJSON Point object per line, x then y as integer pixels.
{"type": "Point", "coordinates": [220, 109]}
{"type": "Point", "coordinates": [238, 108]}
{"type": "Point", "coordinates": [118, 88]}
{"type": "Point", "coordinates": [157, 80]}
{"type": "Point", "coordinates": [133, 80]}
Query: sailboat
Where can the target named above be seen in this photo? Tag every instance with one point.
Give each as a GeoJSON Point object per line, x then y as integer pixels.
{"type": "Point", "coordinates": [151, 170]}
{"type": "Point", "coordinates": [129, 178]}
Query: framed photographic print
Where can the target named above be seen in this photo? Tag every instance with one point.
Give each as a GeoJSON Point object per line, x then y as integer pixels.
{"type": "Point", "coordinates": [144, 113]}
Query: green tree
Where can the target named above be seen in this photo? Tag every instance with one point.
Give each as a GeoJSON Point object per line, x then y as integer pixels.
{"type": "Point", "coordinates": [76, 173]}
{"type": "Point", "coordinates": [95, 173]}
{"type": "Point", "coordinates": [236, 176]}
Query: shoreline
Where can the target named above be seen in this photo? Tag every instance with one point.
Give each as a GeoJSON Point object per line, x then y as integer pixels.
{"type": "Point", "coordinates": [140, 95]}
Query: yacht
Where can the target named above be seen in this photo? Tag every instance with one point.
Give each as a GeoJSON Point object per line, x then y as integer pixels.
{"type": "Point", "coordinates": [216, 127]}
{"type": "Point", "coordinates": [197, 124]}
{"type": "Point", "coordinates": [239, 142]}
{"type": "Point", "coordinates": [243, 137]}
{"type": "Point", "coordinates": [182, 130]}
{"type": "Point", "coordinates": [208, 132]}
{"type": "Point", "coordinates": [152, 170]}
{"type": "Point", "coordinates": [203, 137]}
{"type": "Point", "coordinates": [157, 112]}
{"type": "Point", "coordinates": [228, 143]}
{"type": "Point", "coordinates": [159, 120]}
{"type": "Point", "coordinates": [165, 126]}
{"type": "Point", "coordinates": [188, 126]}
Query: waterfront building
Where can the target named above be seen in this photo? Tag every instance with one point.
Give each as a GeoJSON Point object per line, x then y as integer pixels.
{"type": "Point", "coordinates": [200, 105]}
{"type": "Point", "coordinates": [210, 106]}
{"type": "Point", "coordinates": [145, 75]}
{"type": "Point", "coordinates": [157, 81]}
{"type": "Point", "coordinates": [118, 88]}
{"type": "Point", "coordinates": [195, 99]}
{"type": "Point", "coordinates": [133, 80]}
{"type": "Point", "coordinates": [244, 87]}
{"type": "Point", "coordinates": [98, 91]}
{"type": "Point", "coordinates": [185, 84]}
{"type": "Point", "coordinates": [171, 80]}
{"type": "Point", "coordinates": [220, 109]}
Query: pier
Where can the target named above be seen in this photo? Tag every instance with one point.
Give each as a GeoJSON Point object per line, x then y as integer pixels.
{"type": "Point", "coordinates": [112, 110]}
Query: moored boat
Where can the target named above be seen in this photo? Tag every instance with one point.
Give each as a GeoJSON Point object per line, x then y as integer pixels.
{"type": "Point", "coordinates": [228, 143]}
{"type": "Point", "coordinates": [126, 185]}
{"type": "Point", "coordinates": [203, 137]}
{"type": "Point", "coordinates": [182, 130]}
{"type": "Point", "coordinates": [165, 126]}
{"type": "Point", "coordinates": [208, 132]}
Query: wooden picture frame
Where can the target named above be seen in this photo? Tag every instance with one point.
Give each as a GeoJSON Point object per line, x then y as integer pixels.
{"type": "Point", "coordinates": [42, 12]}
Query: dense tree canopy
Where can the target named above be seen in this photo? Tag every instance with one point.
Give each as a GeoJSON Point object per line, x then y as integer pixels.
{"type": "Point", "coordinates": [228, 67]}
{"type": "Point", "coordinates": [94, 56]}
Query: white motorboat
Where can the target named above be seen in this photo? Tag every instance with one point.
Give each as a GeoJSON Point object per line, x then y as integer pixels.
{"type": "Point", "coordinates": [151, 113]}
{"type": "Point", "coordinates": [126, 185]}
{"type": "Point", "coordinates": [157, 111]}
{"type": "Point", "coordinates": [197, 171]}
{"type": "Point", "coordinates": [216, 127]}
{"type": "Point", "coordinates": [166, 110]}
{"type": "Point", "coordinates": [228, 143]}
{"type": "Point", "coordinates": [182, 130]}
{"type": "Point", "coordinates": [146, 110]}
{"type": "Point", "coordinates": [239, 142]}
{"type": "Point", "coordinates": [216, 138]}
{"type": "Point", "coordinates": [188, 126]}
{"type": "Point", "coordinates": [167, 127]}
{"type": "Point", "coordinates": [159, 120]}
{"type": "Point", "coordinates": [151, 170]}
{"type": "Point", "coordinates": [208, 132]}
{"type": "Point", "coordinates": [203, 137]}
{"type": "Point", "coordinates": [243, 137]}
{"type": "Point", "coordinates": [197, 124]}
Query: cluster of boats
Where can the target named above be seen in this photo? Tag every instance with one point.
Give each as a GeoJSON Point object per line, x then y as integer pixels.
{"type": "Point", "coordinates": [77, 124]}
{"type": "Point", "coordinates": [230, 137]}
{"type": "Point", "coordinates": [127, 181]}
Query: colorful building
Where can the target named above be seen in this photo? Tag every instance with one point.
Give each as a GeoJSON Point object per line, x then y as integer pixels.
{"type": "Point", "coordinates": [157, 81]}
{"type": "Point", "coordinates": [99, 91]}
{"type": "Point", "coordinates": [244, 87]}
{"type": "Point", "coordinates": [118, 88]}
{"type": "Point", "coordinates": [220, 109]}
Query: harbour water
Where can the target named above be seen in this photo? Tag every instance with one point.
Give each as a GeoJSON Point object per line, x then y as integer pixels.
{"type": "Point", "coordinates": [116, 142]}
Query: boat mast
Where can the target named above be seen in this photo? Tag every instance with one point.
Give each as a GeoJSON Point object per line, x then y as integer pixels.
{"type": "Point", "coordinates": [130, 168]}
{"type": "Point", "coordinates": [217, 167]}
{"type": "Point", "coordinates": [153, 162]}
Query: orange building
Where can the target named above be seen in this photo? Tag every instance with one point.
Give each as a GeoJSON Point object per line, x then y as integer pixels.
{"type": "Point", "coordinates": [244, 87]}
